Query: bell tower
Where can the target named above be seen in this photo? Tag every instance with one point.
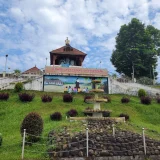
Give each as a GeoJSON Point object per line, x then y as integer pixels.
{"type": "Point", "coordinates": [67, 56]}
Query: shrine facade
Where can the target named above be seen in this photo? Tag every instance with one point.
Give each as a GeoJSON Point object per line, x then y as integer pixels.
{"type": "Point", "coordinates": [66, 67]}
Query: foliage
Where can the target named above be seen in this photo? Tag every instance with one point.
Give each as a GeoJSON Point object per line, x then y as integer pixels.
{"type": "Point", "coordinates": [33, 124]}
{"type": "Point", "coordinates": [106, 114]}
{"type": "Point", "coordinates": [137, 47]}
{"type": "Point", "coordinates": [67, 98]}
{"type": "Point", "coordinates": [72, 113]}
{"type": "Point", "coordinates": [146, 100]}
{"type": "Point", "coordinates": [56, 116]}
{"type": "Point", "coordinates": [26, 97]}
{"type": "Point", "coordinates": [4, 96]}
{"type": "Point", "coordinates": [145, 81]}
{"type": "Point", "coordinates": [17, 71]}
{"type": "Point", "coordinates": [124, 115]}
{"type": "Point", "coordinates": [158, 99]}
{"type": "Point", "coordinates": [141, 93]}
{"type": "Point", "coordinates": [1, 139]}
{"type": "Point", "coordinates": [46, 98]}
{"type": "Point", "coordinates": [18, 87]}
{"type": "Point", "coordinates": [125, 99]}
{"type": "Point", "coordinates": [13, 111]}
{"type": "Point", "coordinates": [108, 98]}
{"type": "Point", "coordinates": [87, 97]}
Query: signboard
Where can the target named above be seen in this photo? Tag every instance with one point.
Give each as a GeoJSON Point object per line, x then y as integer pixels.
{"type": "Point", "coordinates": [75, 71]}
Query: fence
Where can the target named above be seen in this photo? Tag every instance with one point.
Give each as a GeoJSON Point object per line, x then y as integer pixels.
{"type": "Point", "coordinates": [116, 143]}
{"type": "Point", "coordinates": [87, 148]}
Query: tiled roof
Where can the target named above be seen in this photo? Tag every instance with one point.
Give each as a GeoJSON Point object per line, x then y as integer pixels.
{"type": "Point", "coordinates": [32, 70]}
{"type": "Point", "coordinates": [73, 52]}
{"type": "Point", "coordinates": [56, 70]}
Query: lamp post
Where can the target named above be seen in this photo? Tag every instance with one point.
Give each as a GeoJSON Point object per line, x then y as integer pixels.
{"type": "Point", "coordinates": [46, 61]}
{"type": "Point", "coordinates": [5, 65]}
{"type": "Point", "coordinates": [100, 64]}
{"type": "Point", "coordinates": [9, 72]}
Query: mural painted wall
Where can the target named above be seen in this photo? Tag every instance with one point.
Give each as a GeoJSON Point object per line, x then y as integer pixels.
{"type": "Point", "coordinates": [58, 83]}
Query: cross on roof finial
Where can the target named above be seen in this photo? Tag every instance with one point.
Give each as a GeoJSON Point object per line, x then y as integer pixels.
{"type": "Point", "coordinates": [67, 41]}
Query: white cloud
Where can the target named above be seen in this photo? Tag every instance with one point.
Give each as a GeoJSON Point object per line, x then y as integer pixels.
{"type": "Point", "coordinates": [37, 27]}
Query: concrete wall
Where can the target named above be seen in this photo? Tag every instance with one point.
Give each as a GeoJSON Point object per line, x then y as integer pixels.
{"type": "Point", "coordinates": [116, 87]}
{"type": "Point", "coordinates": [138, 157]}
{"type": "Point", "coordinates": [36, 84]}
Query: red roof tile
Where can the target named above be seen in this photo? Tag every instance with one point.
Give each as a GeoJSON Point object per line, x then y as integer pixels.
{"type": "Point", "coordinates": [73, 52]}
{"type": "Point", "coordinates": [55, 70]}
{"type": "Point", "coordinates": [32, 70]}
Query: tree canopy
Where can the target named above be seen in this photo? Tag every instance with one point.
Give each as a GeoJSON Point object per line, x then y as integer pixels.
{"type": "Point", "coordinates": [137, 50]}
{"type": "Point", "coordinates": [17, 71]}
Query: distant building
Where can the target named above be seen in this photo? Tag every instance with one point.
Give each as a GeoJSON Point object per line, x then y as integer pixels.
{"type": "Point", "coordinates": [32, 73]}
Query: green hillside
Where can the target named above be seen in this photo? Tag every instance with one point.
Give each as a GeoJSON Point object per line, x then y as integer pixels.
{"type": "Point", "coordinates": [13, 111]}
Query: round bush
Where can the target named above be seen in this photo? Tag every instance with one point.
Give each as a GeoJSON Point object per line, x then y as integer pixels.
{"type": "Point", "coordinates": [141, 93]}
{"type": "Point", "coordinates": [4, 96]}
{"type": "Point", "coordinates": [33, 124]}
{"type": "Point", "coordinates": [56, 116]}
{"type": "Point", "coordinates": [1, 139]}
{"type": "Point", "coordinates": [26, 97]}
{"type": "Point", "coordinates": [18, 87]}
{"type": "Point", "coordinates": [67, 98]}
{"type": "Point", "coordinates": [158, 99]}
{"type": "Point", "coordinates": [72, 113]}
{"type": "Point", "coordinates": [146, 100]}
{"type": "Point", "coordinates": [124, 115]}
{"type": "Point", "coordinates": [125, 99]}
{"type": "Point", "coordinates": [46, 98]}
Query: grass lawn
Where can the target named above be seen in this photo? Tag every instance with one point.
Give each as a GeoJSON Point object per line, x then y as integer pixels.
{"type": "Point", "coordinates": [13, 111]}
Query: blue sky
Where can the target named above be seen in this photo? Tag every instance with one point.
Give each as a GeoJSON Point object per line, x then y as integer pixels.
{"type": "Point", "coordinates": [29, 29]}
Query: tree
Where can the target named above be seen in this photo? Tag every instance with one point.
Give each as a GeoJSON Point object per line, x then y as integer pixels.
{"type": "Point", "coordinates": [17, 72]}
{"type": "Point", "coordinates": [137, 48]}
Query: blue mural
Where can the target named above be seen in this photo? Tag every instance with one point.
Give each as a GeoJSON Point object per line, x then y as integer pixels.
{"type": "Point", "coordinates": [58, 83]}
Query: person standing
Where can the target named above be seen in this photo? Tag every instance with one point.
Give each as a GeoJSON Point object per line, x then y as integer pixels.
{"type": "Point", "coordinates": [77, 83]}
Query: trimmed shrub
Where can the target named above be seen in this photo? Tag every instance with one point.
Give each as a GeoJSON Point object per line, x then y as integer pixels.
{"type": "Point", "coordinates": [158, 99]}
{"type": "Point", "coordinates": [125, 99]}
{"type": "Point", "coordinates": [4, 96]}
{"type": "Point", "coordinates": [141, 93]}
{"type": "Point", "coordinates": [146, 100]}
{"type": "Point", "coordinates": [1, 139]}
{"type": "Point", "coordinates": [18, 87]}
{"type": "Point", "coordinates": [108, 98]}
{"type": "Point", "coordinates": [72, 113]}
{"type": "Point", "coordinates": [67, 98]}
{"type": "Point", "coordinates": [26, 97]}
{"type": "Point", "coordinates": [56, 116]}
{"type": "Point", "coordinates": [87, 97]}
{"type": "Point", "coordinates": [33, 124]}
{"type": "Point", "coordinates": [124, 115]}
{"type": "Point", "coordinates": [46, 98]}
{"type": "Point", "coordinates": [106, 114]}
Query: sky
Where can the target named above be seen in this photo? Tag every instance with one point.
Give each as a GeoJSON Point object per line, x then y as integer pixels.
{"type": "Point", "coordinates": [30, 29]}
